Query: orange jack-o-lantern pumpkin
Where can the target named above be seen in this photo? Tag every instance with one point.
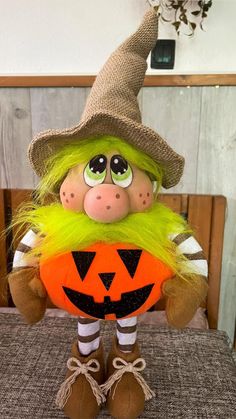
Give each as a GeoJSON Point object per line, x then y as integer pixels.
{"type": "Point", "coordinates": [105, 281]}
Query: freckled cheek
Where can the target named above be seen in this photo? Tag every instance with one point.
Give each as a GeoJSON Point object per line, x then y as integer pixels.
{"type": "Point", "coordinates": [141, 198]}
{"type": "Point", "coordinates": [72, 199]}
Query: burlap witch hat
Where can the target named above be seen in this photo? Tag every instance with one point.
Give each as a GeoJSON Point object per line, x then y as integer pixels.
{"type": "Point", "coordinates": [112, 108]}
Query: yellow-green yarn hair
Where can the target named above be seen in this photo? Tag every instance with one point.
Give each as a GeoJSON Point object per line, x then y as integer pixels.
{"type": "Point", "coordinates": [66, 230]}
{"type": "Point", "coordinates": [82, 151]}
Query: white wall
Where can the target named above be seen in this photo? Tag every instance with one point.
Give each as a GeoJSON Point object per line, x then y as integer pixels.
{"type": "Point", "coordinates": [76, 37]}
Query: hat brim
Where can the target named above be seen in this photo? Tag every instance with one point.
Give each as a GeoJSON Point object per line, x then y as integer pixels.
{"type": "Point", "coordinates": [47, 143]}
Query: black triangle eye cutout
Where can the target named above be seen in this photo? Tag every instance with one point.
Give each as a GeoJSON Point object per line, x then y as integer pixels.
{"type": "Point", "coordinates": [107, 278]}
{"type": "Point", "coordinates": [83, 262]}
{"type": "Point", "coordinates": [130, 258]}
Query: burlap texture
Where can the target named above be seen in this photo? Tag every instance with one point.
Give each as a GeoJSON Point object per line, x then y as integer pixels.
{"type": "Point", "coordinates": [112, 108]}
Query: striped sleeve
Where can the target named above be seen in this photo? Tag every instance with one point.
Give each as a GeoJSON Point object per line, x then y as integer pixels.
{"type": "Point", "coordinates": [27, 243]}
{"type": "Point", "coordinates": [191, 249]}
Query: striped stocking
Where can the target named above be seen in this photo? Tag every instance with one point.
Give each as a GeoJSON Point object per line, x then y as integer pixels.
{"type": "Point", "coordinates": [88, 335]}
{"type": "Point", "coordinates": [126, 331]}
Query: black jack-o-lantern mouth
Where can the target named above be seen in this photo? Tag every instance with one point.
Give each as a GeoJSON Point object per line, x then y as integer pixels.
{"type": "Point", "coordinates": [129, 302]}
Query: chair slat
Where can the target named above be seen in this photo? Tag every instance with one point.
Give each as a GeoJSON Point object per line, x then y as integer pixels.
{"type": "Point", "coordinates": [184, 206]}
{"type": "Point", "coordinates": [172, 201]}
{"type": "Point", "coordinates": [215, 258]}
{"type": "Point", "coordinates": [199, 218]}
{"type": "Point", "coordinates": [3, 253]}
{"type": "Point", "coordinates": [18, 197]}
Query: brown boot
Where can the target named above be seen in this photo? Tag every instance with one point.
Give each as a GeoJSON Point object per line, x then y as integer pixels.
{"type": "Point", "coordinates": [80, 395]}
{"type": "Point", "coordinates": [127, 388]}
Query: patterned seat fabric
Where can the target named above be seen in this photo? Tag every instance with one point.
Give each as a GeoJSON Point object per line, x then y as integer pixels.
{"type": "Point", "coordinates": [191, 371]}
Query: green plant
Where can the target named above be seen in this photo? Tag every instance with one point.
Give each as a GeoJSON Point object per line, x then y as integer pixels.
{"type": "Point", "coordinates": [182, 14]}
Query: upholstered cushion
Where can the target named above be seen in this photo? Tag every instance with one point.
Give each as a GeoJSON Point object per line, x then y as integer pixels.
{"type": "Point", "coordinates": [192, 371]}
{"type": "Point", "coordinates": [158, 318]}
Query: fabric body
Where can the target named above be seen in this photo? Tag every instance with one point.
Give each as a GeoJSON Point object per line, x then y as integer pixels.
{"type": "Point", "coordinates": [105, 281]}
{"type": "Point", "coordinates": [121, 284]}
{"type": "Point", "coordinates": [126, 329]}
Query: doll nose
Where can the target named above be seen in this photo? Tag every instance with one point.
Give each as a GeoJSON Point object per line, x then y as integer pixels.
{"type": "Point", "coordinates": [106, 203]}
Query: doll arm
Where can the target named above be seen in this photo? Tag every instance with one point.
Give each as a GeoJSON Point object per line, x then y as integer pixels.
{"type": "Point", "coordinates": [191, 249]}
{"type": "Point", "coordinates": [27, 290]}
{"type": "Point", "coordinates": [184, 296]}
{"type": "Point", "coordinates": [27, 243]}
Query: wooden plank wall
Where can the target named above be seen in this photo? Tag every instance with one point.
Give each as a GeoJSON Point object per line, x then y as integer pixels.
{"type": "Point", "coordinates": [199, 122]}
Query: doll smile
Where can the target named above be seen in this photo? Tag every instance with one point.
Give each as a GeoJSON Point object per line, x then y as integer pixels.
{"type": "Point", "coordinates": [129, 302]}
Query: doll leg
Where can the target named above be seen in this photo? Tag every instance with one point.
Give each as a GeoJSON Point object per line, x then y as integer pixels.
{"type": "Point", "coordinates": [126, 332]}
{"type": "Point", "coordinates": [80, 395]}
{"type": "Point", "coordinates": [88, 335]}
{"type": "Point", "coordinates": [125, 393]}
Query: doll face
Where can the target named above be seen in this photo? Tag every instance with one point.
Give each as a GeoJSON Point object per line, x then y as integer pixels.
{"type": "Point", "coordinates": [107, 188]}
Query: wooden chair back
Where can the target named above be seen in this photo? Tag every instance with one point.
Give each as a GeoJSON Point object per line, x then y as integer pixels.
{"type": "Point", "coordinates": [205, 214]}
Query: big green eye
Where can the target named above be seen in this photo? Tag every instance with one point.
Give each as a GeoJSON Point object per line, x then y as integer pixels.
{"type": "Point", "coordinates": [95, 171]}
{"type": "Point", "coordinates": [121, 171]}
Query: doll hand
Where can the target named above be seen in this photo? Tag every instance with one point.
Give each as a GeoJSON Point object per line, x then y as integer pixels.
{"type": "Point", "coordinates": [183, 297]}
{"type": "Point", "coordinates": [28, 293]}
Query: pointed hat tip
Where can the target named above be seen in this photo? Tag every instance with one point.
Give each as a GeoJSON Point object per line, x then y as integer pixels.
{"type": "Point", "coordinates": [152, 15]}
{"type": "Point", "coordinates": [143, 40]}
{"type": "Point", "coordinates": [150, 19]}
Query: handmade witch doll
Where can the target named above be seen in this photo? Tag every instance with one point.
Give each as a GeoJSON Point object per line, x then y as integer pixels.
{"type": "Point", "coordinates": [105, 248]}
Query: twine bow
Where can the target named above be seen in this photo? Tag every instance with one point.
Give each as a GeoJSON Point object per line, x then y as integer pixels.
{"type": "Point", "coordinates": [78, 368]}
{"type": "Point", "coordinates": [134, 367]}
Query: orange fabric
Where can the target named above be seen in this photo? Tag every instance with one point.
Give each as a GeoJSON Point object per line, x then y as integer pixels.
{"type": "Point", "coordinates": [61, 271]}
